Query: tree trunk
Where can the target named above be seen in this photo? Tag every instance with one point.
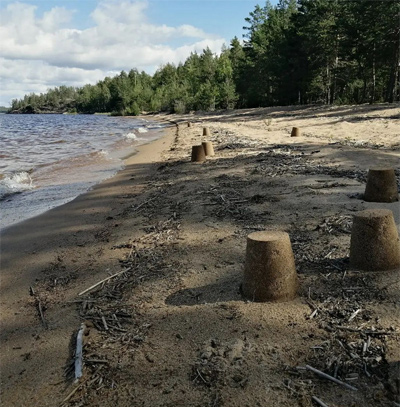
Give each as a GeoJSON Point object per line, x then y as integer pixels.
{"type": "Point", "coordinates": [372, 100]}
{"type": "Point", "coordinates": [334, 87]}
{"type": "Point", "coordinates": [328, 85]}
{"type": "Point", "coordinates": [393, 83]}
{"type": "Point", "coordinates": [364, 90]}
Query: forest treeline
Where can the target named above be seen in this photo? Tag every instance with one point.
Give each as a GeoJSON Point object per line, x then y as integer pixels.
{"type": "Point", "coordinates": [297, 52]}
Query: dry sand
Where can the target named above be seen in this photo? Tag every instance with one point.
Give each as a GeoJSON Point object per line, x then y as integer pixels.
{"type": "Point", "coordinates": [174, 329]}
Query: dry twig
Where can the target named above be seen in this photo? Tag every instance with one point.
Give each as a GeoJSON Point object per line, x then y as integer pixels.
{"type": "Point", "coordinates": [319, 402]}
{"type": "Point", "coordinates": [103, 281]}
{"type": "Point", "coordinates": [326, 376]}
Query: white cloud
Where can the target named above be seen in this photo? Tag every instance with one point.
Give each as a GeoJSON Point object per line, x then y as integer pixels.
{"type": "Point", "coordinates": [55, 18]}
{"type": "Point", "coordinates": [122, 12]}
{"type": "Point", "coordinates": [39, 52]}
{"type": "Point", "coordinates": [20, 77]}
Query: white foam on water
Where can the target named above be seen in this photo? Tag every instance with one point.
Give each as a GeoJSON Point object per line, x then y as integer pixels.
{"type": "Point", "coordinates": [142, 130]}
{"type": "Point", "coordinates": [104, 154]}
{"type": "Point", "coordinates": [15, 183]}
{"type": "Point", "coordinates": [131, 136]}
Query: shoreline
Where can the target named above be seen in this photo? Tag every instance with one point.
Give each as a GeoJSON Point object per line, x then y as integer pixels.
{"type": "Point", "coordinates": [30, 248]}
{"type": "Point", "coordinates": [147, 153]}
{"type": "Point", "coordinates": [48, 191]}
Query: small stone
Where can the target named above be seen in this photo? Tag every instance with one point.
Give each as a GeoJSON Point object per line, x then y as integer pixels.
{"type": "Point", "coordinates": [149, 358]}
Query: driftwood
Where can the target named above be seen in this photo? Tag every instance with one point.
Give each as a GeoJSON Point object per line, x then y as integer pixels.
{"type": "Point", "coordinates": [103, 281]}
{"type": "Point", "coordinates": [79, 352]}
{"type": "Point", "coordinates": [326, 376]}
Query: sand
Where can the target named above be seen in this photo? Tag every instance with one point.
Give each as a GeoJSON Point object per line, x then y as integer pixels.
{"type": "Point", "coordinates": [174, 329]}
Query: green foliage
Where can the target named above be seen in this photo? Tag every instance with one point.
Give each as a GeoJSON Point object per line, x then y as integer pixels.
{"type": "Point", "coordinates": [179, 107]}
{"type": "Point", "coordinates": [134, 109]}
{"type": "Point", "coordinates": [320, 51]}
{"type": "Point", "coordinates": [304, 51]}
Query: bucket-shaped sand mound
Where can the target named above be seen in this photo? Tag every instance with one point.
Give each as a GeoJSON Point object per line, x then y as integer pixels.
{"type": "Point", "coordinates": [295, 132]}
{"type": "Point", "coordinates": [381, 185]}
{"type": "Point", "coordinates": [374, 241]}
{"type": "Point", "coordinates": [206, 131]}
{"type": "Point", "coordinates": [208, 148]}
{"type": "Point", "coordinates": [198, 154]}
{"type": "Point", "coordinates": [269, 273]}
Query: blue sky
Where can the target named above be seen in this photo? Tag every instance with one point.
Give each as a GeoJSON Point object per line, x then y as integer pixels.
{"type": "Point", "coordinates": [74, 42]}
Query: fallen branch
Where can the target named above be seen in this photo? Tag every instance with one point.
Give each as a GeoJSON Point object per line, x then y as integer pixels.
{"type": "Point", "coordinates": [319, 402]}
{"type": "Point", "coordinates": [326, 376]}
{"type": "Point", "coordinates": [201, 377]}
{"type": "Point", "coordinates": [103, 281]}
{"type": "Point", "coordinates": [312, 315]}
{"type": "Point", "coordinates": [79, 352]}
{"type": "Point", "coordinates": [354, 314]}
{"type": "Point", "coordinates": [40, 309]}
{"type": "Point", "coordinates": [348, 328]}
{"type": "Point", "coordinates": [72, 393]}
{"type": "Point", "coordinates": [366, 332]}
{"type": "Point", "coordinates": [144, 203]}
{"type": "Point", "coordinates": [101, 361]}
{"type": "Point", "coordinates": [104, 323]}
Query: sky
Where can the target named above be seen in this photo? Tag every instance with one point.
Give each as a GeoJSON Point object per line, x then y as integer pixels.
{"type": "Point", "coordinates": [74, 42]}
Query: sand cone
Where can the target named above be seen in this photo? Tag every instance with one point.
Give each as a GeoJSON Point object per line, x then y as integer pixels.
{"type": "Point", "coordinates": [206, 131]}
{"type": "Point", "coordinates": [381, 185]}
{"type": "Point", "coordinates": [198, 154]}
{"type": "Point", "coordinates": [295, 132]}
{"type": "Point", "coordinates": [269, 273]}
{"type": "Point", "coordinates": [208, 148]}
{"type": "Point", "coordinates": [374, 241]}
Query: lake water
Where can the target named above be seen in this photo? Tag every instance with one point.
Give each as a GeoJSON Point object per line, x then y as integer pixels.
{"type": "Point", "coordinates": [48, 160]}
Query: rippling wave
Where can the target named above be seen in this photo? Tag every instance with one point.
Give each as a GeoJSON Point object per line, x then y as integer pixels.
{"type": "Point", "coordinates": [46, 160]}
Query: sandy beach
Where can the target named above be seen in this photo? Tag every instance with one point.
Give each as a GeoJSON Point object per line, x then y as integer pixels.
{"type": "Point", "coordinates": [173, 329]}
